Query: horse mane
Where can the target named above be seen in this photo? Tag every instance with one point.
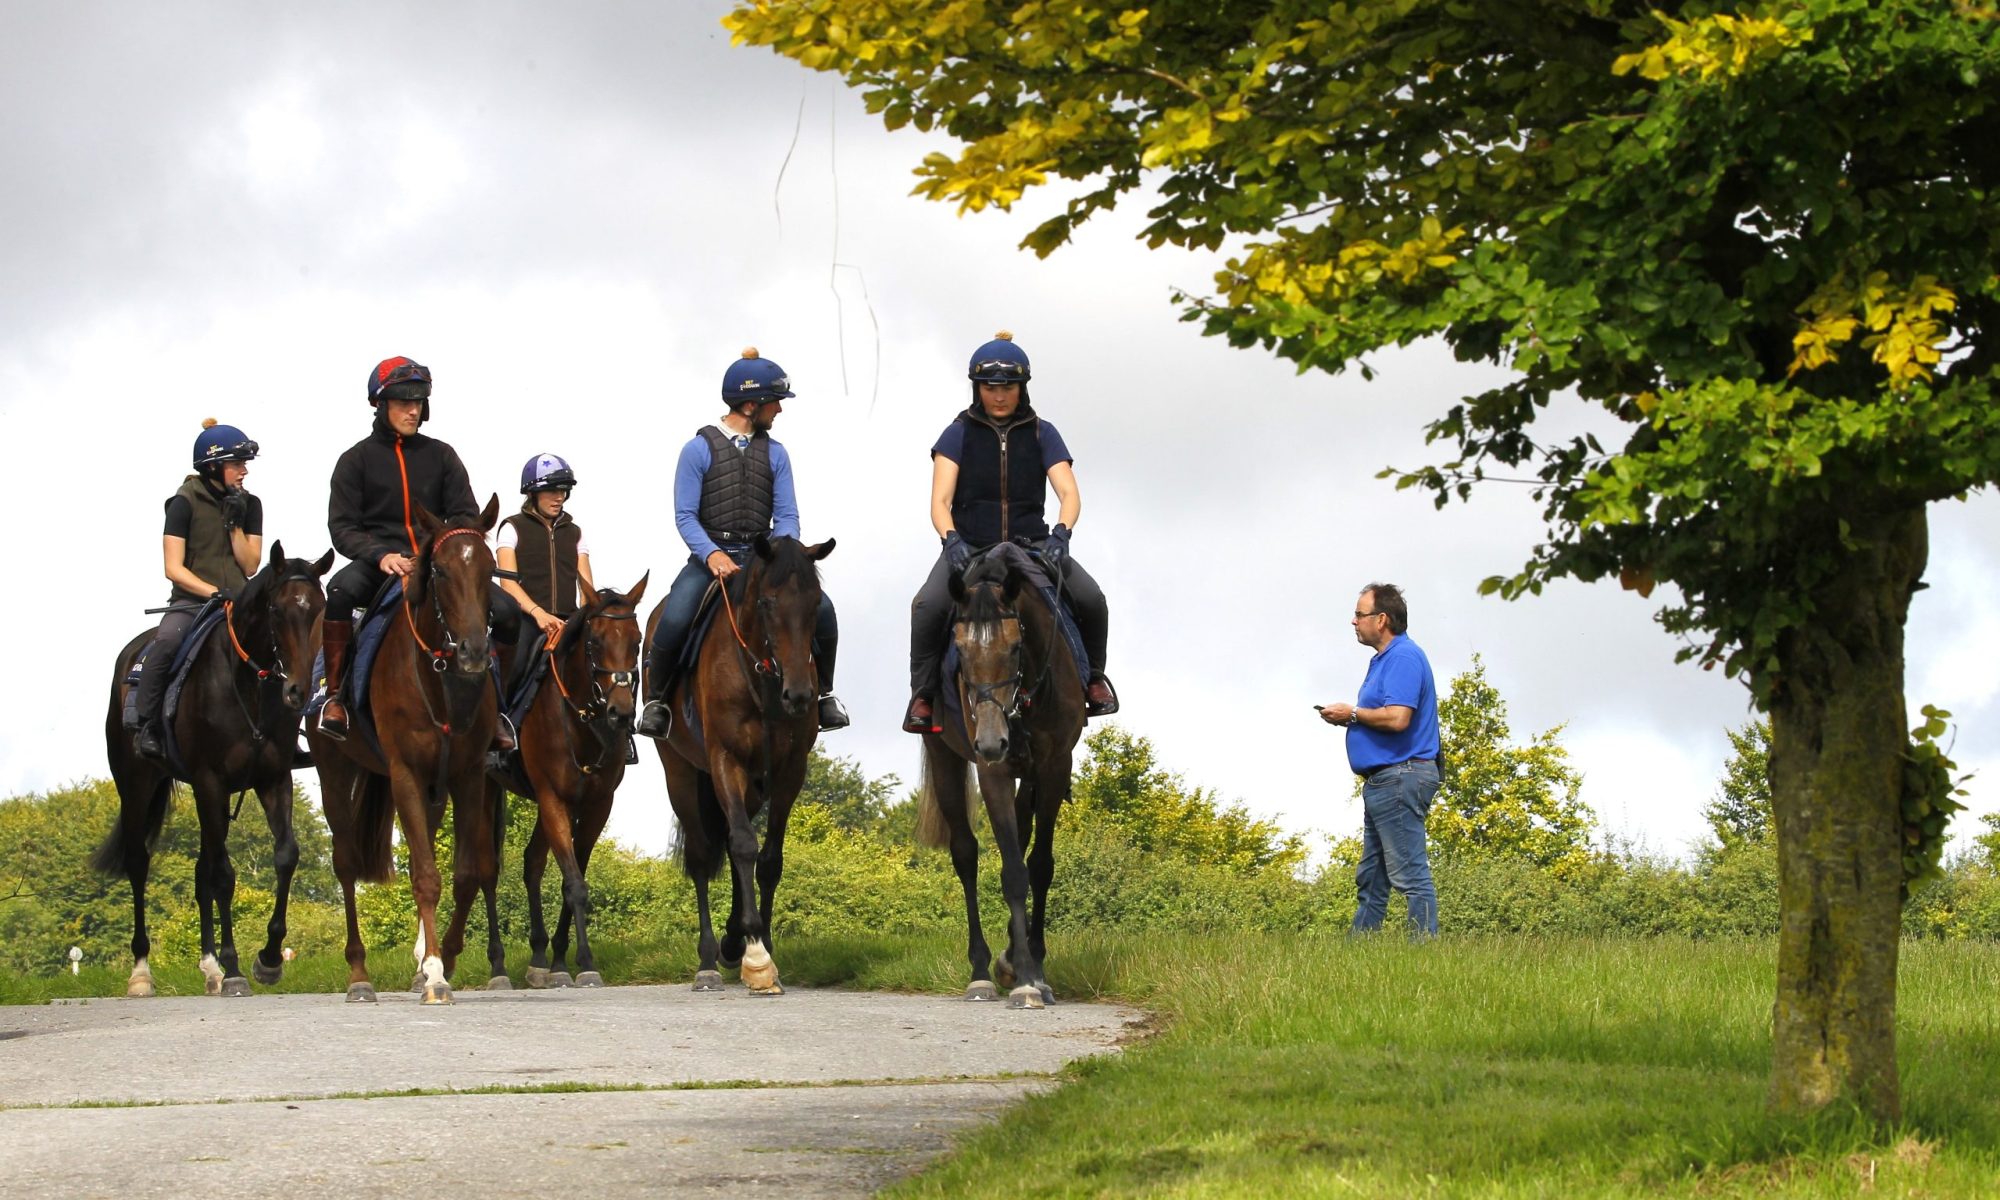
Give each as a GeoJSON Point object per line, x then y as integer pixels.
{"type": "Point", "coordinates": [995, 567]}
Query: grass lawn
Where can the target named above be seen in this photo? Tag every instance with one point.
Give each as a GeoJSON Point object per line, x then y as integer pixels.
{"type": "Point", "coordinates": [1468, 1067]}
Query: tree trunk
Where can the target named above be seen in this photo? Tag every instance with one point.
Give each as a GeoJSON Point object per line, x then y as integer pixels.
{"type": "Point", "coordinates": [1838, 735]}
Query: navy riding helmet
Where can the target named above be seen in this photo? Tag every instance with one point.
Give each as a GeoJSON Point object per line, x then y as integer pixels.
{"type": "Point", "coordinates": [220, 444]}
{"type": "Point", "coordinates": [400, 378]}
{"type": "Point", "coordinates": [999, 361]}
{"type": "Point", "coordinates": [753, 377]}
{"type": "Point", "coordinates": [546, 473]}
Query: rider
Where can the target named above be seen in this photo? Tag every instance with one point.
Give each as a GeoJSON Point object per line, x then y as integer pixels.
{"type": "Point", "coordinates": [213, 540]}
{"type": "Point", "coordinates": [987, 472]}
{"type": "Point", "coordinates": [733, 485]}
{"type": "Point", "coordinates": [545, 546]}
{"type": "Point", "coordinates": [377, 485]}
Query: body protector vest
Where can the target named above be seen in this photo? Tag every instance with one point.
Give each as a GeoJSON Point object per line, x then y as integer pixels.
{"type": "Point", "coordinates": [545, 557]}
{"type": "Point", "coordinates": [208, 554]}
{"type": "Point", "coordinates": [737, 491]}
{"type": "Point", "coordinates": [1002, 480]}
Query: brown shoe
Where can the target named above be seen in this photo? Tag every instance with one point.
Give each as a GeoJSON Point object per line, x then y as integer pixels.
{"type": "Point", "coordinates": [335, 638]}
{"type": "Point", "coordinates": [1099, 698]}
{"type": "Point", "coordinates": [917, 718]}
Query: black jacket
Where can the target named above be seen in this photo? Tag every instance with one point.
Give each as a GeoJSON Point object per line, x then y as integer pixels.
{"type": "Point", "coordinates": [369, 515]}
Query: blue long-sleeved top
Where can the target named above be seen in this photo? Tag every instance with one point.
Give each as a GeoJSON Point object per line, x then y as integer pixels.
{"type": "Point", "coordinates": [688, 474]}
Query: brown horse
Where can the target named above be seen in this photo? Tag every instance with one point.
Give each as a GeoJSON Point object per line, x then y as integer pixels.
{"type": "Point", "coordinates": [1020, 714]}
{"type": "Point", "coordinates": [754, 689]}
{"type": "Point", "coordinates": [432, 698]}
{"type": "Point", "coordinates": [237, 727]}
{"type": "Point", "coordinates": [573, 743]}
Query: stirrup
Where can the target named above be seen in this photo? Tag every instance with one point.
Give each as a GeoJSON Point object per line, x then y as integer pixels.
{"type": "Point", "coordinates": [333, 727]}
{"type": "Point", "coordinates": [1100, 708]}
{"type": "Point", "coordinates": [832, 715]}
{"type": "Point", "coordinates": [656, 720]}
{"type": "Point", "coordinates": [920, 716]}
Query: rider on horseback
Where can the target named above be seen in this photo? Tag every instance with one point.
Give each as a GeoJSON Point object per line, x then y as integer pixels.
{"type": "Point", "coordinates": [213, 540]}
{"type": "Point", "coordinates": [987, 473]}
{"type": "Point", "coordinates": [733, 486]}
{"type": "Point", "coordinates": [377, 485]}
{"type": "Point", "coordinates": [545, 546]}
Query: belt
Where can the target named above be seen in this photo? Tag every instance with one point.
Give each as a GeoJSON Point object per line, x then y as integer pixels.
{"type": "Point", "coordinates": [1385, 766]}
{"type": "Point", "coordinates": [740, 539]}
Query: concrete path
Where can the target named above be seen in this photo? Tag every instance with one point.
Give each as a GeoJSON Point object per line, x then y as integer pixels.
{"type": "Point", "coordinates": [834, 1093]}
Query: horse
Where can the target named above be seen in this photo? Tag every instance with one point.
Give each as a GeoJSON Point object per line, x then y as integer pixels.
{"type": "Point", "coordinates": [431, 696]}
{"type": "Point", "coordinates": [1021, 711]}
{"type": "Point", "coordinates": [754, 690]}
{"type": "Point", "coordinates": [573, 743]}
{"type": "Point", "coordinates": [237, 728]}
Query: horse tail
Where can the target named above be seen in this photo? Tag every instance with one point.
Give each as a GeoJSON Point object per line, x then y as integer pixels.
{"type": "Point", "coordinates": [110, 857]}
{"type": "Point", "coordinates": [374, 818]}
{"type": "Point", "coordinates": [933, 828]}
{"type": "Point", "coordinates": [701, 857]}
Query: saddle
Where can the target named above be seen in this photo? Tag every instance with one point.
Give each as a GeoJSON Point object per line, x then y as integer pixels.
{"type": "Point", "coordinates": [206, 619]}
{"type": "Point", "coordinates": [1032, 571]}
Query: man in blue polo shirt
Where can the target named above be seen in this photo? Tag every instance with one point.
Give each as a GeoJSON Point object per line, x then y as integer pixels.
{"type": "Point", "coordinates": [1392, 743]}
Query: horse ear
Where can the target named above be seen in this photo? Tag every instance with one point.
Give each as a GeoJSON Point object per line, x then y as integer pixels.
{"type": "Point", "coordinates": [490, 513]}
{"type": "Point", "coordinates": [277, 551]}
{"type": "Point", "coordinates": [426, 524]}
{"type": "Point", "coordinates": [763, 547]}
{"type": "Point", "coordinates": [820, 551]}
{"type": "Point", "coordinates": [638, 590]}
{"type": "Point", "coordinates": [323, 564]}
{"type": "Point", "coordinates": [1012, 591]}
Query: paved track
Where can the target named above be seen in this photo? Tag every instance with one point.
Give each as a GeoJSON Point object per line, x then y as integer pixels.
{"type": "Point", "coordinates": [839, 1092]}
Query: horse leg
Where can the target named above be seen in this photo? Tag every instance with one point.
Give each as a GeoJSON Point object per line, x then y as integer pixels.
{"type": "Point", "coordinates": [489, 883]}
{"type": "Point", "coordinates": [771, 864]}
{"type": "Point", "coordinates": [589, 827]}
{"type": "Point", "coordinates": [947, 782]}
{"type": "Point", "coordinates": [553, 826]}
{"type": "Point", "coordinates": [534, 862]}
{"type": "Point", "coordinates": [690, 795]}
{"type": "Point", "coordinates": [276, 797]}
{"type": "Point", "coordinates": [1049, 794]}
{"type": "Point", "coordinates": [342, 805]}
{"type": "Point", "coordinates": [997, 785]}
{"type": "Point", "coordinates": [732, 784]}
{"type": "Point", "coordinates": [425, 885]}
{"type": "Point", "coordinates": [215, 889]}
{"type": "Point", "coordinates": [142, 807]}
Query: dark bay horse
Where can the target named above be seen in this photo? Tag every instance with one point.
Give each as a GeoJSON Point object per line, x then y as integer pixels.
{"type": "Point", "coordinates": [237, 728]}
{"type": "Point", "coordinates": [755, 691]}
{"type": "Point", "coordinates": [573, 743]}
{"type": "Point", "coordinates": [1020, 714]}
{"type": "Point", "coordinates": [432, 699]}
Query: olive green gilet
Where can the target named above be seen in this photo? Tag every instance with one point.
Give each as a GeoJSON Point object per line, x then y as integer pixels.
{"type": "Point", "coordinates": [208, 553]}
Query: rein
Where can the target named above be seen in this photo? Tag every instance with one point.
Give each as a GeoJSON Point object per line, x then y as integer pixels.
{"type": "Point", "coordinates": [439, 658]}
{"type": "Point", "coordinates": [591, 714]}
{"type": "Point", "coordinates": [279, 673]}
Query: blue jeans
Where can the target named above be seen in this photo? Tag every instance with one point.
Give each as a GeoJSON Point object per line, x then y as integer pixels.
{"type": "Point", "coordinates": [1394, 802]}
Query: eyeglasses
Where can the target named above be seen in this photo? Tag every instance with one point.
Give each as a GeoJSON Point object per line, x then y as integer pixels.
{"type": "Point", "coordinates": [1358, 614]}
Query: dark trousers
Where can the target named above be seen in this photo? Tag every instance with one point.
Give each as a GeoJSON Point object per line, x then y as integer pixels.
{"type": "Point", "coordinates": [173, 630]}
{"type": "Point", "coordinates": [930, 615]}
{"type": "Point", "coordinates": [354, 586]}
{"type": "Point", "coordinates": [677, 618]}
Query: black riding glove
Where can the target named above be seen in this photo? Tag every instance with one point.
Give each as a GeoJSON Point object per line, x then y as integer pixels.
{"type": "Point", "coordinates": [235, 506]}
{"type": "Point", "coordinates": [1055, 551]}
{"type": "Point", "coordinates": [956, 551]}
{"type": "Point", "coordinates": [224, 595]}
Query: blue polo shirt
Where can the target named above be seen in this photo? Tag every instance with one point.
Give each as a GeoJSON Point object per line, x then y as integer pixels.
{"type": "Point", "coordinates": [1399, 674]}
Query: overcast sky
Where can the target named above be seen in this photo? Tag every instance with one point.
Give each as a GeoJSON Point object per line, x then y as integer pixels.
{"type": "Point", "coordinates": [575, 216]}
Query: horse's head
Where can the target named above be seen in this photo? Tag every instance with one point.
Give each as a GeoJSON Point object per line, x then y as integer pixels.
{"type": "Point", "coordinates": [287, 601]}
{"type": "Point", "coordinates": [783, 591]}
{"type": "Point", "coordinates": [608, 635]}
{"type": "Point", "coordinates": [451, 581]}
{"type": "Point", "coordinates": [986, 628]}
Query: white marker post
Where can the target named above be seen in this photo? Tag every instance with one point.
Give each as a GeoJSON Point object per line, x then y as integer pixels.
{"type": "Point", "coordinates": [75, 957]}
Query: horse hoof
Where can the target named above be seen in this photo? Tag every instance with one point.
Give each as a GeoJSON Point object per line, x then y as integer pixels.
{"type": "Point", "coordinates": [1048, 995]}
{"type": "Point", "coordinates": [538, 977]}
{"type": "Point", "coordinates": [982, 989]}
{"type": "Point", "coordinates": [561, 979]}
{"type": "Point", "coordinates": [235, 985]}
{"type": "Point", "coordinates": [268, 976]}
{"type": "Point", "coordinates": [1025, 996]}
{"type": "Point", "coordinates": [138, 988]}
{"type": "Point", "coordinates": [1003, 973]}
{"type": "Point", "coordinates": [760, 971]}
{"type": "Point", "coordinates": [774, 989]}
{"type": "Point", "coordinates": [417, 984]}
{"type": "Point", "coordinates": [440, 993]}
{"type": "Point", "coordinates": [708, 981]}
{"type": "Point", "coordinates": [589, 979]}
{"type": "Point", "coordinates": [499, 983]}
{"type": "Point", "coordinates": [361, 993]}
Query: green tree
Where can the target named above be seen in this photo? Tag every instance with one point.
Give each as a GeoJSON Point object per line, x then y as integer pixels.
{"type": "Point", "coordinates": [1989, 842]}
{"type": "Point", "coordinates": [1760, 238]}
{"type": "Point", "coordinates": [851, 799]}
{"type": "Point", "coordinates": [1497, 800]}
{"type": "Point", "coordinates": [1740, 812]}
{"type": "Point", "coordinates": [1122, 784]}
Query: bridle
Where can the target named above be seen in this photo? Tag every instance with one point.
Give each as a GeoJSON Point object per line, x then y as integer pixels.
{"type": "Point", "coordinates": [440, 657]}
{"type": "Point", "coordinates": [591, 713]}
{"type": "Point", "coordinates": [1025, 694]}
{"type": "Point", "coordinates": [280, 671]}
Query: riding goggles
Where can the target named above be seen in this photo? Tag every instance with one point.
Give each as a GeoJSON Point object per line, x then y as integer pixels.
{"type": "Point", "coordinates": [998, 370]}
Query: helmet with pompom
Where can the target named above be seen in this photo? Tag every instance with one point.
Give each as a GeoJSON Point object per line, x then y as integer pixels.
{"type": "Point", "coordinates": [754, 377]}
{"type": "Point", "coordinates": [999, 361]}
{"type": "Point", "coordinates": [220, 444]}
{"type": "Point", "coordinates": [545, 473]}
